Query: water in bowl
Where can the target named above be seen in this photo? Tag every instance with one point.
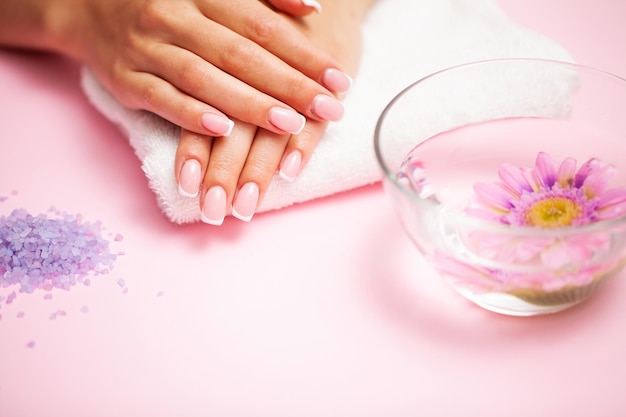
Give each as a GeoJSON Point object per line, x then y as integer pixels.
{"type": "Point", "coordinates": [443, 170]}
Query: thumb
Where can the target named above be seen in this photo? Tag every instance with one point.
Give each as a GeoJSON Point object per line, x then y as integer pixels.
{"type": "Point", "coordinates": [297, 7]}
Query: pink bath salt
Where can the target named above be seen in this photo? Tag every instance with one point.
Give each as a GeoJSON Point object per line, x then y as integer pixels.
{"type": "Point", "coordinates": [57, 250]}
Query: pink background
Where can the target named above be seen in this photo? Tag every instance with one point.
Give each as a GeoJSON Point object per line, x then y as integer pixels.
{"type": "Point", "coordinates": [324, 309]}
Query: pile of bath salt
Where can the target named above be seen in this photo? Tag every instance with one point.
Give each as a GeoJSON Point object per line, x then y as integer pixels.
{"type": "Point", "coordinates": [46, 252]}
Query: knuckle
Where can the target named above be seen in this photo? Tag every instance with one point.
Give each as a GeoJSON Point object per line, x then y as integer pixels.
{"type": "Point", "coordinates": [223, 169]}
{"type": "Point", "coordinates": [239, 57]}
{"type": "Point", "coordinates": [262, 169]}
{"type": "Point", "coordinates": [297, 86]}
{"type": "Point", "coordinates": [193, 75]}
{"type": "Point", "coordinates": [154, 14]}
{"type": "Point", "coordinates": [151, 97]}
{"type": "Point", "coordinates": [263, 28]}
{"type": "Point", "coordinates": [186, 110]}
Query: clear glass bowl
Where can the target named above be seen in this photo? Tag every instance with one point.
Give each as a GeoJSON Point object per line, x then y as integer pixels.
{"type": "Point", "coordinates": [510, 177]}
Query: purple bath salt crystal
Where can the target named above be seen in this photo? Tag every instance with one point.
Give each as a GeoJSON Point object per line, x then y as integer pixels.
{"type": "Point", "coordinates": [11, 297]}
{"type": "Point", "coordinates": [57, 250]}
{"type": "Point", "coordinates": [31, 344]}
{"type": "Point", "coordinates": [58, 313]}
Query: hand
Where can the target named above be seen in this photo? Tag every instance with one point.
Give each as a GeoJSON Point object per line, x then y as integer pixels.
{"type": "Point", "coordinates": [235, 172]}
{"type": "Point", "coordinates": [191, 61]}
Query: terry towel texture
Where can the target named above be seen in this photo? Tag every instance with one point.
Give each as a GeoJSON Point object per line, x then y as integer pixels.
{"type": "Point", "coordinates": [404, 40]}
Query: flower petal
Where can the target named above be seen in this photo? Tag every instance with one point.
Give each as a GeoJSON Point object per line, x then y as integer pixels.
{"type": "Point", "coordinates": [493, 194]}
{"type": "Point", "coordinates": [612, 204]}
{"type": "Point", "coordinates": [545, 170]}
{"type": "Point", "coordinates": [566, 172]}
{"type": "Point", "coordinates": [585, 170]}
{"type": "Point", "coordinates": [513, 177]}
{"type": "Point", "coordinates": [596, 182]}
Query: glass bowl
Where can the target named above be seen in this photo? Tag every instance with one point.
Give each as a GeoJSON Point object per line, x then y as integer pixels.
{"type": "Point", "coordinates": [510, 178]}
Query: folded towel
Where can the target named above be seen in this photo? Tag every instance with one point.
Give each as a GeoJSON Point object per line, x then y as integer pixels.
{"type": "Point", "coordinates": [404, 40]}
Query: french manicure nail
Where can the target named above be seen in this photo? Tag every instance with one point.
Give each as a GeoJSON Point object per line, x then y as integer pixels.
{"type": "Point", "coordinates": [214, 208]}
{"type": "Point", "coordinates": [246, 201]}
{"type": "Point", "coordinates": [217, 124]}
{"type": "Point", "coordinates": [286, 120]}
{"type": "Point", "coordinates": [190, 178]}
{"type": "Point", "coordinates": [336, 80]}
{"type": "Point", "coordinates": [327, 108]}
{"type": "Point", "coordinates": [290, 167]}
{"type": "Point", "coordinates": [313, 3]}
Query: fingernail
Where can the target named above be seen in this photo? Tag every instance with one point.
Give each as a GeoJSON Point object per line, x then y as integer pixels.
{"type": "Point", "coordinates": [327, 108]}
{"type": "Point", "coordinates": [214, 208]}
{"type": "Point", "coordinates": [290, 166]}
{"type": "Point", "coordinates": [336, 80]}
{"type": "Point", "coordinates": [217, 124]}
{"type": "Point", "coordinates": [313, 3]}
{"type": "Point", "coordinates": [287, 120]}
{"type": "Point", "coordinates": [246, 201]}
{"type": "Point", "coordinates": [190, 178]}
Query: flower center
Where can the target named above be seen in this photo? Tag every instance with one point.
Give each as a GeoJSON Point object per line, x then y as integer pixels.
{"type": "Point", "coordinates": [553, 212]}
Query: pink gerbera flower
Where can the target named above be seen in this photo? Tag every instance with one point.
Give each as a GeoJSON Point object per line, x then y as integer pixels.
{"type": "Point", "coordinates": [550, 195]}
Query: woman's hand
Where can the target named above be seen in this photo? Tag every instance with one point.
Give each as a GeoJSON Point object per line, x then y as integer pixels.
{"type": "Point", "coordinates": [232, 174]}
{"type": "Point", "coordinates": [190, 61]}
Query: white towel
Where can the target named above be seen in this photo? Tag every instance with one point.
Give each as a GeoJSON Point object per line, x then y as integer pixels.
{"type": "Point", "coordinates": [404, 40]}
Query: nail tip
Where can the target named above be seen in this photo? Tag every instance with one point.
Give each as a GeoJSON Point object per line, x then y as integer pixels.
{"type": "Point", "coordinates": [231, 126]}
{"type": "Point", "coordinates": [314, 4]}
{"type": "Point", "coordinates": [286, 177]}
{"type": "Point", "coordinates": [241, 217]}
{"type": "Point", "coordinates": [211, 221]}
{"type": "Point", "coordinates": [301, 127]}
{"type": "Point", "coordinates": [184, 193]}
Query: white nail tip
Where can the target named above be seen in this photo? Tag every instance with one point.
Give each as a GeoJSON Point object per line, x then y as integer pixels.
{"type": "Point", "coordinates": [185, 193]}
{"type": "Point", "coordinates": [241, 217]}
{"type": "Point", "coordinates": [211, 221]}
{"type": "Point", "coordinates": [231, 125]}
{"type": "Point", "coordinates": [314, 4]}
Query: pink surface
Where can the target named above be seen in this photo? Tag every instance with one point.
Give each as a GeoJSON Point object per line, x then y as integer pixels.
{"type": "Point", "coordinates": [323, 309]}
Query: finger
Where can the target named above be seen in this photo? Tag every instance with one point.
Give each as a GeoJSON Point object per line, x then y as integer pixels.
{"type": "Point", "coordinates": [300, 148]}
{"type": "Point", "coordinates": [297, 7]}
{"type": "Point", "coordinates": [227, 158]}
{"type": "Point", "coordinates": [145, 91]}
{"type": "Point", "coordinates": [192, 158]}
{"type": "Point", "coordinates": [281, 37]}
{"type": "Point", "coordinates": [259, 170]}
{"type": "Point", "coordinates": [225, 65]}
